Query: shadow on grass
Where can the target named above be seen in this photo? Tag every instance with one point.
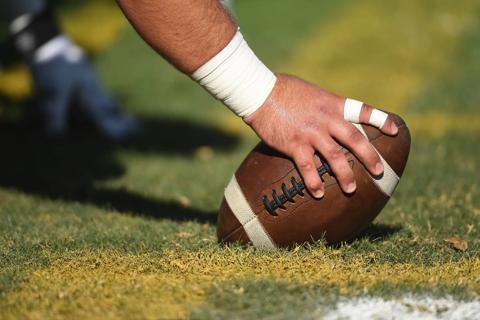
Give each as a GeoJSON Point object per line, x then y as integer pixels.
{"type": "Point", "coordinates": [378, 232]}
{"type": "Point", "coordinates": [373, 233]}
{"type": "Point", "coordinates": [67, 169]}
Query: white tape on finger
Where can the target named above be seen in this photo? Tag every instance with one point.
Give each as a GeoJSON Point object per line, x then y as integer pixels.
{"type": "Point", "coordinates": [352, 109]}
{"type": "Point", "coordinates": [378, 118]}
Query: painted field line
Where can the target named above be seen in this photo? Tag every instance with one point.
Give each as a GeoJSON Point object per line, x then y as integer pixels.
{"type": "Point", "coordinates": [405, 308]}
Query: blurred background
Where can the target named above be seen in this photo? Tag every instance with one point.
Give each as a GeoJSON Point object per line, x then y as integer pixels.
{"type": "Point", "coordinates": [405, 57]}
{"type": "Point", "coordinates": [135, 159]}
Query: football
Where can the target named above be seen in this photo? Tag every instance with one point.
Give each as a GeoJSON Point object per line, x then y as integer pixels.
{"type": "Point", "coordinates": [267, 205]}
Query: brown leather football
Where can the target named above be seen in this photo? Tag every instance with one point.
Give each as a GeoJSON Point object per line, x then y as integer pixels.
{"type": "Point", "coordinates": [266, 203]}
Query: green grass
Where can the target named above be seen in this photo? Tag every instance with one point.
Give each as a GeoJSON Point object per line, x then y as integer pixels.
{"type": "Point", "coordinates": [91, 229]}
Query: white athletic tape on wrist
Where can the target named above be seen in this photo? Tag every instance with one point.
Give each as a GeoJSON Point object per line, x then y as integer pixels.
{"type": "Point", "coordinates": [237, 77]}
{"type": "Point", "coordinates": [245, 215]}
{"type": "Point", "coordinates": [352, 109]}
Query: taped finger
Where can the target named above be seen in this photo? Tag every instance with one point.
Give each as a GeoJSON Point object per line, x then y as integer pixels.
{"type": "Point", "coordinates": [356, 112]}
{"type": "Point", "coordinates": [378, 118]}
{"type": "Point", "coordinates": [352, 109]}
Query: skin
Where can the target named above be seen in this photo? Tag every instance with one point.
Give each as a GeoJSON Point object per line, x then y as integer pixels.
{"type": "Point", "coordinates": [298, 118]}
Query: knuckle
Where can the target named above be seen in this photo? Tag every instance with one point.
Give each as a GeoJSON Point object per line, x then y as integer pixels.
{"type": "Point", "coordinates": [330, 148]}
{"type": "Point", "coordinates": [359, 144]}
{"type": "Point", "coordinates": [369, 156]}
{"type": "Point", "coordinates": [312, 125]}
{"type": "Point", "coordinates": [366, 109]}
{"type": "Point", "coordinates": [296, 138]}
{"type": "Point", "coordinates": [295, 150]}
{"type": "Point", "coordinates": [305, 165]}
{"type": "Point", "coordinates": [336, 123]}
{"type": "Point", "coordinates": [314, 184]}
{"type": "Point", "coordinates": [345, 174]}
{"type": "Point", "coordinates": [365, 113]}
{"type": "Point", "coordinates": [336, 155]}
{"type": "Point", "coordinates": [342, 166]}
{"type": "Point", "coordinates": [303, 161]}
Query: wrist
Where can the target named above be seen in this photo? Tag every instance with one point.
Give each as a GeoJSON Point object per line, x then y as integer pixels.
{"type": "Point", "coordinates": [270, 104]}
{"type": "Point", "coordinates": [237, 77]}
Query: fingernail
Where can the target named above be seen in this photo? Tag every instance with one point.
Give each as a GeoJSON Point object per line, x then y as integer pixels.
{"type": "Point", "coordinates": [318, 194]}
{"type": "Point", "coordinates": [351, 187]}
{"type": "Point", "coordinates": [379, 168]}
{"type": "Point", "coordinates": [394, 128]}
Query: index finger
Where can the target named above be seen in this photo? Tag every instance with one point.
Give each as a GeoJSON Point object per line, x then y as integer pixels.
{"type": "Point", "coordinates": [358, 112]}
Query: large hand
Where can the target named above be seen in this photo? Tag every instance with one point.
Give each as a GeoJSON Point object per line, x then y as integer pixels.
{"type": "Point", "coordinates": [299, 119]}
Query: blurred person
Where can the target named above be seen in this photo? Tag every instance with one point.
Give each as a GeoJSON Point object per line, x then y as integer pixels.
{"type": "Point", "coordinates": [62, 75]}
{"type": "Point", "coordinates": [297, 118]}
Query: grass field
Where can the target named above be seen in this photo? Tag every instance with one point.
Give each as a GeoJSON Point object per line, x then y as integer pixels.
{"type": "Point", "coordinates": [91, 229]}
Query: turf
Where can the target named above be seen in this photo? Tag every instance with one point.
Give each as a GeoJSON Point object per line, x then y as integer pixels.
{"type": "Point", "coordinates": [92, 229]}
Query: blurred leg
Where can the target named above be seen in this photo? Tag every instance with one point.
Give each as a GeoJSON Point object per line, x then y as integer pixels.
{"type": "Point", "coordinates": [61, 72]}
{"type": "Point", "coordinates": [53, 82]}
{"type": "Point", "coordinates": [101, 107]}
{"type": "Point", "coordinates": [37, 38]}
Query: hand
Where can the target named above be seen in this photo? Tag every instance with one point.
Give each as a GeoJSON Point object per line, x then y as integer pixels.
{"type": "Point", "coordinates": [299, 119]}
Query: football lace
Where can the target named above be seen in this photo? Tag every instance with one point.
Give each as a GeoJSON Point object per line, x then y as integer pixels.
{"type": "Point", "coordinates": [287, 195]}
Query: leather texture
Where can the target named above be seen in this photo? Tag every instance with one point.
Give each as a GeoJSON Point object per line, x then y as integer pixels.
{"type": "Point", "coordinates": [337, 217]}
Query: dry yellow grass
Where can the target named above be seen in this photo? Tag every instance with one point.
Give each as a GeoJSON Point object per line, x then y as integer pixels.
{"type": "Point", "coordinates": [168, 284]}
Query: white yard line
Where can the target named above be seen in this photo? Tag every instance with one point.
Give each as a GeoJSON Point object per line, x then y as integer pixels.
{"type": "Point", "coordinates": [411, 308]}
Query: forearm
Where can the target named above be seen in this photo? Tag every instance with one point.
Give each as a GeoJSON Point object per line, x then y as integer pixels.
{"type": "Point", "coordinates": [185, 32]}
